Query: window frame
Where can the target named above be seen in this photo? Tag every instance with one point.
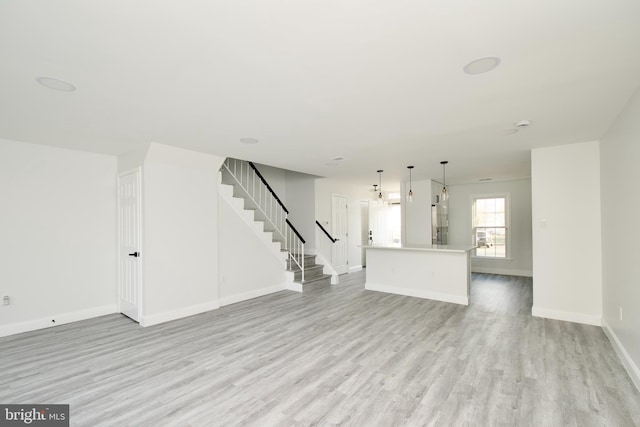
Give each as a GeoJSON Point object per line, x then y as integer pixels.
{"type": "Point", "coordinates": [507, 225]}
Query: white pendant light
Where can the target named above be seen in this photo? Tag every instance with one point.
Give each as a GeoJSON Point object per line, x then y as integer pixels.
{"type": "Point", "coordinates": [444, 194]}
{"type": "Point", "coordinates": [380, 183]}
{"type": "Point", "coordinates": [410, 195]}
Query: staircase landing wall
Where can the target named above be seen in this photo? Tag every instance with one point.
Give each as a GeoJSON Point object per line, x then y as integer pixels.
{"type": "Point", "coordinates": [247, 268]}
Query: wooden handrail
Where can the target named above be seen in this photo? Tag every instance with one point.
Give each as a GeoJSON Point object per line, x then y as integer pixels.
{"type": "Point", "coordinates": [326, 232]}
{"type": "Point", "coordinates": [264, 181]}
{"type": "Point", "coordinates": [295, 231]}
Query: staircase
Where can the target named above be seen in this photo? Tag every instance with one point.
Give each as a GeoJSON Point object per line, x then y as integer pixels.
{"type": "Point", "coordinates": [246, 189]}
{"type": "Point", "coordinates": [312, 272]}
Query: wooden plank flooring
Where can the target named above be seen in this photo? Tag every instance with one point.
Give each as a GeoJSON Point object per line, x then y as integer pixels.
{"type": "Point", "coordinates": [331, 356]}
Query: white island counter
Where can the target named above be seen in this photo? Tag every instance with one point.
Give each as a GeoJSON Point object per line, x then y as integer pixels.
{"type": "Point", "coordinates": [441, 273]}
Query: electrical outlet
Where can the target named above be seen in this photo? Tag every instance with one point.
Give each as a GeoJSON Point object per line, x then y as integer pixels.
{"type": "Point", "coordinates": [620, 312]}
{"type": "Point", "coordinates": [6, 300]}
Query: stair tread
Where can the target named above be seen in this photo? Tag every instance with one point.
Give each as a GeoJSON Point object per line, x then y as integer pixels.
{"type": "Point", "coordinates": [315, 279]}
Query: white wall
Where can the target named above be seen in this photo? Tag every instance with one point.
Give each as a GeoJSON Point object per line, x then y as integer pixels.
{"type": "Point", "coordinates": [324, 189]}
{"type": "Point", "coordinates": [247, 268]}
{"type": "Point", "coordinates": [133, 159]}
{"type": "Point", "coordinates": [180, 254]}
{"type": "Point", "coordinates": [567, 267]}
{"type": "Point", "coordinates": [58, 251]}
{"type": "Point", "coordinates": [300, 200]}
{"type": "Point", "coordinates": [416, 216]}
{"type": "Point", "coordinates": [276, 178]}
{"type": "Point", "coordinates": [460, 233]}
{"type": "Point", "coordinates": [620, 174]}
{"type": "Point", "coordinates": [297, 192]}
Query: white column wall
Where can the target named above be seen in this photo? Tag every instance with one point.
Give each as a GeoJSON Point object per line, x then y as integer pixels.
{"type": "Point", "coordinates": [567, 267]}
{"type": "Point", "coordinates": [180, 253]}
{"type": "Point", "coordinates": [620, 158]}
{"type": "Point", "coordinates": [416, 216]}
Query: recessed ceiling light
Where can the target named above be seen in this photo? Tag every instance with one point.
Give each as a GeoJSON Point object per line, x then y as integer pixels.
{"type": "Point", "coordinates": [482, 65]}
{"type": "Point", "coordinates": [56, 84]}
{"type": "Point", "coordinates": [485, 179]}
{"type": "Point", "coordinates": [338, 158]}
{"type": "Point", "coordinates": [248, 140]}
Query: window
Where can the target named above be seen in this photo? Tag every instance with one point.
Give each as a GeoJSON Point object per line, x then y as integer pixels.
{"type": "Point", "coordinates": [490, 226]}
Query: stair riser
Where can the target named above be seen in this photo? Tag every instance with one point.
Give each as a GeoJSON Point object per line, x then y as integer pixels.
{"type": "Point", "coordinates": [308, 274]}
{"type": "Point", "coordinates": [309, 261]}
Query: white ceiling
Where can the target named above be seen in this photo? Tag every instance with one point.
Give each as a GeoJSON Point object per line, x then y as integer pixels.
{"type": "Point", "coordinates": [378, 82]}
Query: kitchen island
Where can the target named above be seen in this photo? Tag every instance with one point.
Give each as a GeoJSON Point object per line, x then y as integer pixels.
{"type": "Point", "coordinates": [436, 272]}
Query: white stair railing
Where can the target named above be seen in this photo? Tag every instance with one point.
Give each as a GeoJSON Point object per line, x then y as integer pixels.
{"type": "Point", "coordinates": [267, 202]}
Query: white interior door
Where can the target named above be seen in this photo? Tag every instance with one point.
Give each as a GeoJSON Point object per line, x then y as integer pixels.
{"type": "Point", "coordinates": [339, 216]}
{"type": "Point", "coordinates": [364, 229]}
{"type": "Point", "coordinates": [129, 237]}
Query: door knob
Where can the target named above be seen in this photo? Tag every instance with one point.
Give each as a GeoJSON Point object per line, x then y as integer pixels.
{"type": "Point", "coordinates": [135, 254]}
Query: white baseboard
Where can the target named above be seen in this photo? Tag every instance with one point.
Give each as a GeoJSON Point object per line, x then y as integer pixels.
{"type": "Point", "coordinates": [437, 296]}
{"type": "Point", "coordinates": [232, 299]}
{"type": "Point", "coordinates": [168, 316]}
{"type": "Point", "coordinates": [502, 271]}
{"type": "Point", "coordinates": [567, 316]}
{"type": "Point", "coordinates": [57, 319]}
{"type": "Point", "coordinates": [627, 362]}
{"type": "Point", "coordinates": [355, 268]}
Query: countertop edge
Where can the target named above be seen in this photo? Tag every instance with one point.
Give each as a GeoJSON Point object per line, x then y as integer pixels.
{"type": "Point", "coordinates": [419, 249]}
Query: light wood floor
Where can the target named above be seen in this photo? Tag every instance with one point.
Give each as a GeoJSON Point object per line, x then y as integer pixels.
{"type": "Point", "coordinates": [330, 356]}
